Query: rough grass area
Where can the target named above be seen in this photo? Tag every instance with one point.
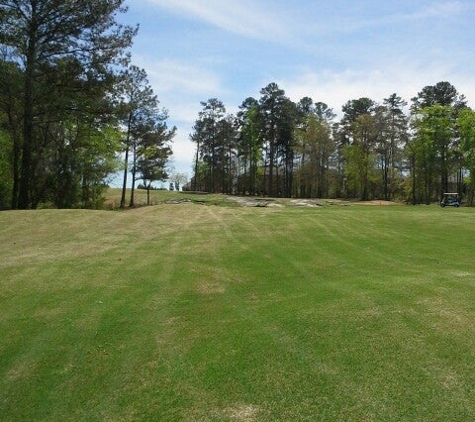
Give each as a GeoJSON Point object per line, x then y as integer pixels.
{"type": "Point", "coordinates": [188, 312]}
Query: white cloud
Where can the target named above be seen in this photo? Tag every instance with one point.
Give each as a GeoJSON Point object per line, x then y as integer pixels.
{"type": "Point", "coordinates": [438, 10]}
{"type": "Point", "coordinates": [335, 88]}
{"type": "Point", "coordinates": [351, 20]}
{"type": "Point", "coordinates": [181, 86]}
{"type": "Point", "coordinates": [443, 9]}
{"type": "Point", "coordinates": [171, 75]}
{"type": "Point", "coordinates": [183, 153]}
{"type": "Point", "coordinates": [243, 17]}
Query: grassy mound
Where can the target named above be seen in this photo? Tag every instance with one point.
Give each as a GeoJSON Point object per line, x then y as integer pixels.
{"type": "Point", "coordinates": [185, 312]}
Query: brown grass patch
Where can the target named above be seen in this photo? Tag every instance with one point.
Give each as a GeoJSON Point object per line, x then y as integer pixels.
{"type": "Point", "coordinates": [210, 288]}
{"type": "Point", "coordinates": [243, 413]}
{"type": "Point", "coordinates": [20, 371]}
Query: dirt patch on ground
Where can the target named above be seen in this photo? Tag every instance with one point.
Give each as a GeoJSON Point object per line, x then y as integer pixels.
{"type": "Point", "coordinates": [250, 201]}
{"type": "Point", "coordinates": [306, 203]}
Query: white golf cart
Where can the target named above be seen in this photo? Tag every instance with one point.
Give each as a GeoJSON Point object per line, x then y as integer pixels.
{"type": "Point", "coordinates": [450, 199]}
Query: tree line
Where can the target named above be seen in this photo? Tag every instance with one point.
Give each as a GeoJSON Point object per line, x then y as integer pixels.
{"type": "Point", "coordinates": [73, 108]}
{"type": "Point", "coordinates": [390, 150]}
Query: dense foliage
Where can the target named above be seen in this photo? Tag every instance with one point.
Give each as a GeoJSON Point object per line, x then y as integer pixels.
{"type": "Point", "coordinates": [62, 71]}
{"type": "Point", "coordinates": [386, 150]}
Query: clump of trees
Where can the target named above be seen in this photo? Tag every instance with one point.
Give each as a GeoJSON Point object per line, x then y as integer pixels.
{"type": "Point", "coordinates": [71, 104]}
{"type": "Point", "coordinates": [388, 150]}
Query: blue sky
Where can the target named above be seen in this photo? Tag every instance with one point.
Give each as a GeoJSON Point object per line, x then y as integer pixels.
{"type": "Point", "coordinates": [332, 51]}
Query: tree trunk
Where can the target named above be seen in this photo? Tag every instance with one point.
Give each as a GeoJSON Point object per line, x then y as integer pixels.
{"type": "Point", "coordinates": [27, 146]}
{"type": "Point", "coordinates": [413, 159]}
{"type": "Point", "coordinates": [196, 167]}
{"type": "Point", "coordinates": [124, 184]}
{"type": "Point", "coordinates": [132, 190]}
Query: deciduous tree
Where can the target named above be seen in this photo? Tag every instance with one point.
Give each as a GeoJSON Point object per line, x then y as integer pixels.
{"type": "Point", "coordinates": [466, 126]}
{"type": "Point", "coordinates": [315, 146]}
{"type": "Point", "coordinates": [435, 148]}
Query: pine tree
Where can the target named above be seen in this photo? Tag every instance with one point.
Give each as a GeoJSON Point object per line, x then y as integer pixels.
{"type": "Point", "coordinates": [49, 39]}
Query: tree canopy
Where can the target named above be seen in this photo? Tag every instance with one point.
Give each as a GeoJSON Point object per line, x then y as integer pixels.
{"type": "Point", "coordinates": [381, 150]}
{"type": "Point", "coordinates": [62, 65]}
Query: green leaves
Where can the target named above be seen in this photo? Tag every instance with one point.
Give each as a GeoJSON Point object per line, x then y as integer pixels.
{"type": "Point", "coordinates": [67, 53]}
{"type": "Point", "coordinates": [466, 127]}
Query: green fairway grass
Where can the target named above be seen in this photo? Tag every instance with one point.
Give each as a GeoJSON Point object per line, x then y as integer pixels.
{"type": "Point", "coordinates": [200, 312]}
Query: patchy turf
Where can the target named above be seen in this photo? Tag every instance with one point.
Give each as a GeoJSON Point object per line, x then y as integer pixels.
{"type": "Point", "coordinates": [185, 312]}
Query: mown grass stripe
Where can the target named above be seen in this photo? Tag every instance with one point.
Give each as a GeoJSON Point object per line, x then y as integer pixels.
{"type": "Point", "coordinates": [210, 313]}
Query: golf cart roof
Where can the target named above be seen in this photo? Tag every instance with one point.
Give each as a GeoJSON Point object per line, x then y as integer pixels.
{"type": "Point", "coordinates": [451, 193]}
